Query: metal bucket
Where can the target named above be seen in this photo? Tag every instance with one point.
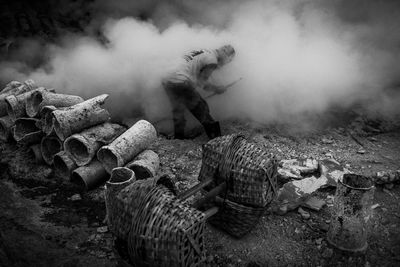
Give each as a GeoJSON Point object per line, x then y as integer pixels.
{"type": "Point", "coordinates": [351, 214]}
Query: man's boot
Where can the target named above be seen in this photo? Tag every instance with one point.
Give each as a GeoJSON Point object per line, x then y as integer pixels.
{"type": "Point", "coordinates": [212, 129]}
{"type": "Point", "coordinates": [179, 131]}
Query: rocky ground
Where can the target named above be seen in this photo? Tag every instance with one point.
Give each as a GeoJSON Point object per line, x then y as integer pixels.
{"type": "Point", "coordinates": [46, 221]}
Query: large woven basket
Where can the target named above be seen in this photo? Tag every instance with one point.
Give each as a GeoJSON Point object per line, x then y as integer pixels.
{"type": "Point", "coordinates": [249, 171]}
{"type": "Point", "coordinates": [167, 232]}
{"type": "Point", "coordinates": [122, 206]}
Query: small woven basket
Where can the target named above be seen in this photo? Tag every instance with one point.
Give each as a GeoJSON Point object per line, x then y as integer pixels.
{"type": "Point", "coordinates": [167, 232]}
{"type": "Point", "coordinates": [122, 207]}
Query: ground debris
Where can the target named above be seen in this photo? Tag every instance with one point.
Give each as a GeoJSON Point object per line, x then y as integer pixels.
{"type": "Point", "coordinates": [314, 203]}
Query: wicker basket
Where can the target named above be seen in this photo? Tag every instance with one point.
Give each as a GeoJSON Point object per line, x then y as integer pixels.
{"type": "Point", "coordinates": [122, 208]}
{"type": "Point", "coordinates": [235, 219]}
{"type": "Point", "coordinates": [167, 232]}
{"type": "Point", "coordinates": [250, 173]}
{"type": "Point", "coordinates": [212, 156]}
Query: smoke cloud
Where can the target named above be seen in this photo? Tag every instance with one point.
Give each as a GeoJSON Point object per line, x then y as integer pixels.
{"type": "Point", "coordinates": [294, 56]}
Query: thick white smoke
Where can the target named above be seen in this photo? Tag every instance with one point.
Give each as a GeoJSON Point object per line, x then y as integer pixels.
{"type": "Point", "coordinates": [294, 57]}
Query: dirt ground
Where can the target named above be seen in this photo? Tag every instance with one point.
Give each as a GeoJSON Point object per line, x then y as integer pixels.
{"type": "Point", "coordinates": [46, 221]}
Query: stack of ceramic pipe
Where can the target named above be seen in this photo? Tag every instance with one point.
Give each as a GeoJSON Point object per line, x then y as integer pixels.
{"type": "Point", "coordinates": [75, 135]}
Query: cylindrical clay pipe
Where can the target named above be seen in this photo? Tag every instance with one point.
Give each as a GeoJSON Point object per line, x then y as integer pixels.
{"type": "Point", "coordinates": [83, 146]}
{"type": "Point", "coordinates": [127, 146]}
{"type": "Point", "coordinates": [50, 146]}
{"type": "Point", "coordinates": [121, 177]}
{"type": "Point", "coordinates": [10, 86]}
{"type": "Point", "coordinates": [80, 116]}
{"type": "Point", "coordinates": [14, 88]}
{"type": "Point", "coordinates": [46, 119]}
{"type": "Point", "coordinates": [16, 104]}
{"type": "Point", "coordinates": [6, 123]}
{"type": "Point", "coordinates": [145, 165]}
{"type": "Point", "coordinates": [38, 99]}
{"type": "Point", "coordinates": [90, 176]}
{"type": "Point", "coordinates": [64, 165]}
{"type": "Point", "coordinates": [27, 132]}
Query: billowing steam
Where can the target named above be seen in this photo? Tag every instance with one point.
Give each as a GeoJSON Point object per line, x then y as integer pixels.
{"type": "Point", "coordinates": [294, 56]}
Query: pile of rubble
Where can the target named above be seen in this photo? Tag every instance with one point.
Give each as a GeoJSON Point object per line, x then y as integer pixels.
{"type": "Point", "coordinates": [302, 178]}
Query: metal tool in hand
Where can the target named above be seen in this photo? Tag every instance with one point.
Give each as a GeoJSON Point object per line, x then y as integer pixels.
{"type": "Point", "coordinates": [226, 87]}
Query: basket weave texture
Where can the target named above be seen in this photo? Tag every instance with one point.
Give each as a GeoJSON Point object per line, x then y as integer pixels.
{"type": "Point", "coordinates": [250, 173]}
{"type": "Point", "coordinates": [122, 206]}
{"type": "Point", "coordinates": [213, 154]}
{"type": "Point", "coordinates": [235, 219]}
{"type": "Point", "coordinates": [167, 232]}
{"type": "Point", "coordinates": [251, 177]}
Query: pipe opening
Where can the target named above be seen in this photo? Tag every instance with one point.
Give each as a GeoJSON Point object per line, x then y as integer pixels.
{"type": "Point", "coordinates": [357, 181]}
{"type": "Point", "coordinates": [120, 175]}
{"type": "Point", "coordinates": [77, 149]}
{"type": "Point", "coordinates": [33, 103]}
{"type": "Point", "coordinates": [10, 109]}
{"type": "Point", "coordinates": [141, 172]}
{"type": "Point", "coordinates": [25, 127]}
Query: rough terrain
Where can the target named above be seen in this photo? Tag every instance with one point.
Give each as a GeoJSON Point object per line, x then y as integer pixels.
{"type": "Point", "coordinates": [46, 221]}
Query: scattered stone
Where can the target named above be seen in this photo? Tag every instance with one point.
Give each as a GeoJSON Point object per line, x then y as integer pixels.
{"type": "Point", "coordinates": [326, 141]}
{"type": "Point", "coordinates": [102, 229]}
{"type": "Point", "coordinates": [384, 177]}
{"type": "Point", "coordinates": [286, 175]}
{"type": "Point", "coordinates": [327, 253]}
{"type": "Point", "coordinates": [361, 151]}
{"type": "Point", "coordinates": [329, 200]}
{"type": "Point", "coordinates": [293, 193]}
{"type": "Point", "coordinates": [332, 170]}
{"type": "Point", "coordinates": [76, 197]}
{"type": "Point", "coordinates": [304, 214]}
{"type": "Point", "coordinates": [314, 203]}
{"type": "Point", "coordinates": [295, 168]}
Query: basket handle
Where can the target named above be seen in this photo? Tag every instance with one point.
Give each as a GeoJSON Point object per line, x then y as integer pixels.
{"type": "Point", "coordinates": [195, 189]}
{"type": "Point", "coordinates": [210, 195]}
{"type": "Point", "coordinates": [210, 212]}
